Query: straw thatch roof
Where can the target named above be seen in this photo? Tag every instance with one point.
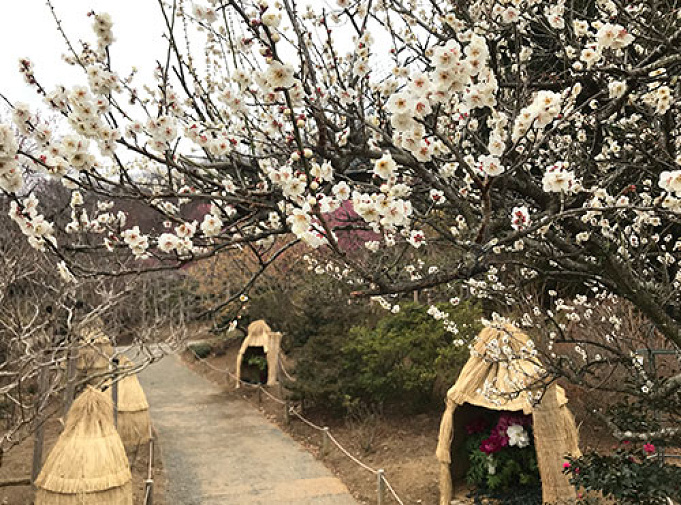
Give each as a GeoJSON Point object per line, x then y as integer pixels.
{"type": "Point", "coordinates": [88, 464]}
{"type": "Point", "coordinates": [503, 373]}
{"type": "Point", "coordinates": [261, 335]}
{"type": "Point", "coordinates": [134, 422]}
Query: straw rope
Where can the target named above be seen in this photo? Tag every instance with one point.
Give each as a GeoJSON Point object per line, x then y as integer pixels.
{"type": "Point", "coordinates": [392, 491]}
{"type": "Point", "coordinates": [283, 369]}
{"type": "Point", "coordinates": [306, 421]}
{"type": "Point", "coordinates": [267, 393]}
{"type": "Point", "coordinates": [345, 451]}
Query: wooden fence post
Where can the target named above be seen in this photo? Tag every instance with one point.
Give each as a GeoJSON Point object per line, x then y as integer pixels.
{"type": "Point", "coordinates": [114, 391]}
{"type": "Point", "coordinates": [155, 295]}
{"type": "Point", "coordinates": [181, 294]}
{"type": "Point", "coordinates": [144, 302]}
{"type": "Point", "coordinates": [284, 397]}
{"type": "Point", "coordinates": [39, 426]}
{"type": "Point", "coordinates": [149, 482]}
{"type": "Point", "coordinates": [70, 390]}
{"type": "Point", "coordinates": [381, 487]}
{"type": "Point", "coordinates": [325, 442]}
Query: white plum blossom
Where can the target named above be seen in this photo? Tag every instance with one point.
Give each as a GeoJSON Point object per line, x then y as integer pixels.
{"type": "Point", "coordinates": [280, 75]}
{"type": "Point", "coordinates": [437, 196]}
{"type": "Point", "coordinates": [204, 13]}
{"type": "Point", "coordinates": [590, 55]}
{"type": "Point", "coordinates": [467, 130]}
{"type": "Point", "coordinates": [186, 230]}
{"type": "Point", "coordinates": [491, 165]}
{"type": "Point", "coordinates": [558, 179]}
{"type": "Point", "coordinates": [613, 36]}
{"type": "Point", "coordinates": [342, 191]}
{"type": "Point", "coordinates": [670, 181]}
{"type": "Point", "coordinates": [102, 27]}
{"type": "Point", "coordinates": [554, 14]}
{"type": "Point", "coordinates": [136, 241]}
{"type": "Point", "coordinates": [11, 179]}
{"type": "Point", "coordinates": [544, 108]}
{"type": "Point", "coordinates": [271, 18]}
{"type": "Point", "coordinates": [385, 166]}
{"type": "Point", "coordinates": [211, 226]}
{"type": "Point", "coordinates": [416, 239]}
{"type": "Point", "coordinates": [168, 242]}
{"type": "Point", "coordinates": [37, 229]}
{"type": "Point", "coordinates": [300, 222]}
{"type": "Point", "coordinates": [616, 89]}
{"type": "Point", "coordinates": [520, 218]}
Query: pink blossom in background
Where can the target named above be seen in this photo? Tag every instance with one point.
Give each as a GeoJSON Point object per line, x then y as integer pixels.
{"type": "Point", "coordinates": [349, 240]}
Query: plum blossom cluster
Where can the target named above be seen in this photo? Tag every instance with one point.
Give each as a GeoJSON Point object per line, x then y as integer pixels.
{"type": "Point", "coordinates": [503, 141]}
{"type": "Point", "coordinates": [449, 325]}
{"type": "Point", "coordinates": [38, 230]}
{"type": "Point", "coordinates": [102, 26]}
{"type": "Point", "coordinates": [385, 304]}
{"type": "Point", "coordinates": [10, 172]}
{"type": "Point", "coordinates": [100, 222]}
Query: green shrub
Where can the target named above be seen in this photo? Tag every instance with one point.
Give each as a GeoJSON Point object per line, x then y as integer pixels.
{"type": "Point", "coordinates": [403, 360]}
{"type": "Point", "coordinates": [260, 362]}
{"type": "Point", "coordinates": [200, 350]}
{"type": "Point", "coordinates": [406, 355]}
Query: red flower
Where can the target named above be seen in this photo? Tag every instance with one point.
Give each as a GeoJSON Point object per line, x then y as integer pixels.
{"type": "Point", "coordinates": [491, 445]}
{"type": "Point", "coordinates": [566, 465]}
{"type": "Point", "coordinates": [476, 426]}
{"type": "Point", "coordinates": [649, 448]}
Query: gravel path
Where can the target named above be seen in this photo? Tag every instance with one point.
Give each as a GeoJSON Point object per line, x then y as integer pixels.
{"type": "Point", "coordinates": [218, 452]}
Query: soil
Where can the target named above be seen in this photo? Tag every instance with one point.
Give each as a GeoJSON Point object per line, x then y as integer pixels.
{"type": "Point", "coordinates": [16, 464]}
{"type": "Point", "coordinates": [404, 446]}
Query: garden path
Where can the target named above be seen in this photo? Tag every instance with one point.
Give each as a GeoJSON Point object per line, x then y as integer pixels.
{"type": "Point", "coordinates": [219, 451]}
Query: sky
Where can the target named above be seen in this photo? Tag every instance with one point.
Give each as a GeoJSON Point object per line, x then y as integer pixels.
{"type": "Point", "coordinates": [27, 29]}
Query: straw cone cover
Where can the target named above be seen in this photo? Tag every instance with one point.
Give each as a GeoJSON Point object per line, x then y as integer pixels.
{"type": "Point", "coordinates": [88, 464]}
{"type": "Point", "coordinates": [134, 421]}
{"type": "Point", "coordinates": [95, 349]}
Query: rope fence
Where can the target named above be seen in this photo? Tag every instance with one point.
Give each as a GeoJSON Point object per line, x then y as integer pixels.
{"type": "Point", "coordinates": [149, 482]}
{"type": "Point", "coordinates": [382, 485]}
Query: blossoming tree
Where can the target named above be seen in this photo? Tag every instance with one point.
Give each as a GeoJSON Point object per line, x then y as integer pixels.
{"type": "Point", "coordinates": [529, 143]}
